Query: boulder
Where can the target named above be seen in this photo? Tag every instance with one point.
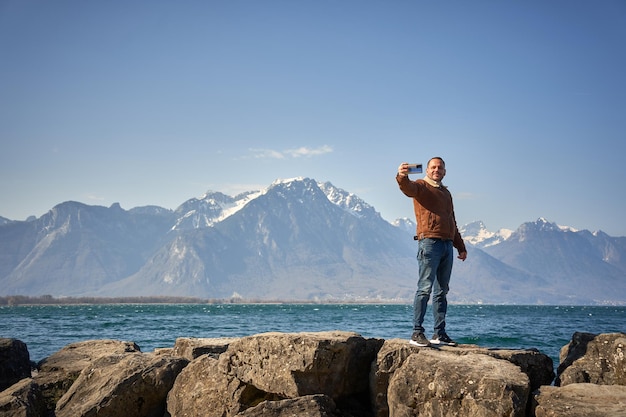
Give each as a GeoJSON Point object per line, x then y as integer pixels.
{"type": "Point", "coordinates": [14, 362]}
{"type": "Point", "coordinates": [441, 383]}
{"type": "Point", "coordinates": [202, 390]}
{"type": "Point", "coordinates": [192, 348]}
{"type": "Point", "coordinates": [271, 367]}
{"type": "Point", "coordinates": [57, 373]}
{"type": "Point", "coordinates": [22, 399]}
{"type": "Point", "coordinates": [291, 365]}
{"type": "Point", "coordinates": [597, 359]}
{"type": "Point", "coordinates": [537, 366]}
{"type": "Point", "coordinates": [390, 357]}
{"type": "Point", "coordinates": [130, 384]}
{"type": "Point", "coordinates": [580, 400]}
{"type": "Point", "coordinates": [306, 406]}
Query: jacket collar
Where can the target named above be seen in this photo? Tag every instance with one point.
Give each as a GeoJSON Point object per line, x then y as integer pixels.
{"type": "Point", "coordinates": [434, 183]}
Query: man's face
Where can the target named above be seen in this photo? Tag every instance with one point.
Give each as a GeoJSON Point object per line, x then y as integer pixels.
{"type": "Point", "coordinates": [436, 170]}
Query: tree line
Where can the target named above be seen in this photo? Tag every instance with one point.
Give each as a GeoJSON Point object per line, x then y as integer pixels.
{"type": "Point", "coordinates": [17, 300]}
{"type": "Point", "coordinates": [14, 300]}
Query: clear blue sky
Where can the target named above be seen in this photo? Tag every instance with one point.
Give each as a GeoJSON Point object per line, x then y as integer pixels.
{"type": "Point", "coordinates": [155, 102]}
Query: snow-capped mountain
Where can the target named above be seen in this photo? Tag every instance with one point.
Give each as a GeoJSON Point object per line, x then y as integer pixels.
{"type": "Point", "coordinates": [209, 209]}
{"type": "Point", "coordinates": [348, 201]}
{"type": "Point", "coordinates": [289, 242]}
{"type": "Point", "coordinates": [575, 264]}
{"type": "Point", "coordinates": [404, 223]}
{"type": "Point", "coordinates": [213, 207]}
{"type": "Point", "coordinates": [476, 234]}
{"type": "Point", "coordinates": [297, 239]}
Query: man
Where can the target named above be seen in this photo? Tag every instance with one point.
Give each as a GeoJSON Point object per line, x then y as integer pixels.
{"type": "Point", "coordinates": [437, 234]}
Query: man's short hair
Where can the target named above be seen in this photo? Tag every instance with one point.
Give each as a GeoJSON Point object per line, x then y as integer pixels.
{"type": "Point", "coordinates": [436, 157]}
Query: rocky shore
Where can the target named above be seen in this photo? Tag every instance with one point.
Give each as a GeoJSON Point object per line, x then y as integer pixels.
{"type": "Point", "coordinates": [322, 374]}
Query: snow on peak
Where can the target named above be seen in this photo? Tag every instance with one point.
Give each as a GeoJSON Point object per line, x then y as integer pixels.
{"type": "Point", "coordinates": [211, 208]}
{"type": "Point", "coordinates": [405, 223]}
{"type": "Point", "coordinates": [347, 201]}
{"type": "Point", "coordinates": [477, 234]}
{"type": "Point", "coordinates": [544, 224]}
{"type": "Point", "coordinates": [279, 181]}
{"type": "Point", "coordinates": [238, 204]}
{"type": "Point", "coordinates": [567, 228]}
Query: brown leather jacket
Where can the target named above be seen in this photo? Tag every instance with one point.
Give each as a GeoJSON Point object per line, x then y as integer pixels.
{"type": "Point", "coordinates": [434, 211]}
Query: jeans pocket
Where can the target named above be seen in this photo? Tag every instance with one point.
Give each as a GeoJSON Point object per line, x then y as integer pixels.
{"type": "Point", "coordinates": [425, 249]}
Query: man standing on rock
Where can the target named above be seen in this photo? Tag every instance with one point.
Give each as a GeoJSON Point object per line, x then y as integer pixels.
{"type": "Point", "coordinates": [437, 234]}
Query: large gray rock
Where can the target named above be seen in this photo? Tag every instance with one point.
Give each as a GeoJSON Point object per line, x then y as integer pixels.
{"type": "Point", "coordinates": [389, 359]}
{"type": "Point", "coordinates": [22, 399]}
{"type": "Point", "coordinates": [291, 365]}
{"type": "Point", "coordinates": [14, 362]}
{"type": "Point", "coordinates": [129, 385]}
{"type": "Point", "coordinates": [57, 372]}
{"type": "Point", "coordinates": [440, 383]}
{"type": "Point", "coordinates": [580, 400]}
{"type": "Point", "coordinates": [537, 366]}
{"type": "Point", "coordinates": [271, 367]}
{"type": "Point", "coordinates": [597, 359]}
{"type": "Point", "coordinates": [202, 390]}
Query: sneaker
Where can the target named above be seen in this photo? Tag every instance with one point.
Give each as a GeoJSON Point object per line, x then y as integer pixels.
{"type": "Point", "coordinates": [442, 339]}
{"type": "Point", "coordinates": [418, 339]}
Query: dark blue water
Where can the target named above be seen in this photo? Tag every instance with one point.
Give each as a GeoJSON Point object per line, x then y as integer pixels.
{"type": "Point", "coordinates": [46, 329]}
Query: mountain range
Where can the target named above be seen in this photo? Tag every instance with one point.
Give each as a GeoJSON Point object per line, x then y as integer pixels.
{"type": "Point", "coordinates": [296, 240]}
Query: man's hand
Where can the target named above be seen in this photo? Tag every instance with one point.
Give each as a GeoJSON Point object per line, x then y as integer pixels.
{"type": "Point", "coordinates": [403, 169]}
{"type": "Point", "coordinates": [462, 256]}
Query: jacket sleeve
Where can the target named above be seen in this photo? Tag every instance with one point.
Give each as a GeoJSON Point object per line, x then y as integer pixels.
{"type": "Point", "coordinates": [408, 187]}
{"type": "Point", "coordinates": [458, 242]}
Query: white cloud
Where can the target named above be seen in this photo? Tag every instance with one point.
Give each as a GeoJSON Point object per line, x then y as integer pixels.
{"type": "Point", "coordinates": [266, 154]}
{"type": "Point", "coordinates": [302, 151]}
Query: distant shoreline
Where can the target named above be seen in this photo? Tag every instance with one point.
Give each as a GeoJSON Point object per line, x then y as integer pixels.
{"type": "Point", "coordinates": [22, 300]}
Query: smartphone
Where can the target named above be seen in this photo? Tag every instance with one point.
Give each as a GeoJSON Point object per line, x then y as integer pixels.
{"type": "Point", "coordinates": [415, 168]}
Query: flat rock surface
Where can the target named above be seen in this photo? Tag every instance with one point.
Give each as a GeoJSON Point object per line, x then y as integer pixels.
{"type": "Point", "coordinates": [439, 383]}
{"type": "Point", "coordinates": [581, 400]}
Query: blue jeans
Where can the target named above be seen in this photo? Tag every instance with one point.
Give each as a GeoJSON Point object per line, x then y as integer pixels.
{"type": "Point", "coordinates": [434, 257]}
